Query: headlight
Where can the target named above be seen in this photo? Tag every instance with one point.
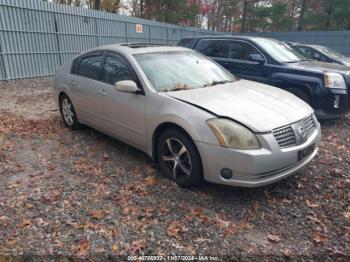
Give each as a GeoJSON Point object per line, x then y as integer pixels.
{"type": "Point", "coordinates": [233, 135]}
{"type": "Point", "coordinates": [334, 80]}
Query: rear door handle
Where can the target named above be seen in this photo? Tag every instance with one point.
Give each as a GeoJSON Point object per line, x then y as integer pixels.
{"type": "Point", "coordinates": [102, 92]}
{"type": "Point", "coordinates": [73, 82]}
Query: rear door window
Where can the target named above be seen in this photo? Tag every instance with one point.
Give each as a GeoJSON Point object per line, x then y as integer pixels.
{"type": "Point", "coordinates": [90, 65]}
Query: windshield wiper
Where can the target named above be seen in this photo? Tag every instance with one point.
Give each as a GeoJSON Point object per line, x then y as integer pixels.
{"type": "Point", "coordinates": [180, 89]}
{"type": "Point", "coordinates": [214, 83]}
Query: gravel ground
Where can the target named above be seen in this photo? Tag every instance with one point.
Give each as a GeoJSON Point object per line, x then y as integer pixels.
{"type": "Point", "coordinates": [83, 194]}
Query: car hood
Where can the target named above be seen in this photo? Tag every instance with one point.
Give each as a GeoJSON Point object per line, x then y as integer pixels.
{"type": "Point", "coordinates": [313, 64]}
{"type": "Point", "coordinates": [260, 107]}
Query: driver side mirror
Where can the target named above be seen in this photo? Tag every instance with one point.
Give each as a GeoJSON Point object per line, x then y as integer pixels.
{"type": "Point", "coordinates": [257, 58]}
{"type": "Point", "coordinates": [127, 86]}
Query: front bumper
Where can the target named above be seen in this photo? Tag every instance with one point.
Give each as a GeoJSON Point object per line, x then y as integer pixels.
{"type": "Point", "coordinates": [254, 168]}
{"type": "Point", "coordinates": [335, 103]}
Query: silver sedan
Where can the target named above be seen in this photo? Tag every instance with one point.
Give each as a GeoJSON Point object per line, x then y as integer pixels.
{"type": "Point", "coordinates": [189, 114]}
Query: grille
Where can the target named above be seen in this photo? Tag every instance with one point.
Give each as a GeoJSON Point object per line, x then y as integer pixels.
{"type": "Point", "coordinates": [286, 136]}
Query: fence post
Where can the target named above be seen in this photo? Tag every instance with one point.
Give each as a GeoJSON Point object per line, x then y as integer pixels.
{"type": "Point", "coordinates": [126, 32]}
{"type": "Point", "coordinates": [166, 34]}
{"type": "Point", "coordinates": [96, 33]}
{"type": "Point", "coordinates": [149, 33]}
{"type": "Point", "coordinates": [58, 39]}
{"type": "Point", "coordinates": [2, 63]}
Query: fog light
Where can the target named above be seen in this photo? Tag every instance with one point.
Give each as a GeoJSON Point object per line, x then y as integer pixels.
{"type": "Point", "coordinates": [226, 173]}
{"type": "Point", "coordinates": [336, 101]}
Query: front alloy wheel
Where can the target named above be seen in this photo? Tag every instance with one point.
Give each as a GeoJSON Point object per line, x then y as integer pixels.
{"type": "Point", "coordinates": [179, 158]}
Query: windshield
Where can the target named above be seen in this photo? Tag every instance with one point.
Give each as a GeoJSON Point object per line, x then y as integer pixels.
{"type": "Point", "coordinates": [329, 52]}
{"type": "Point", "coordinates": [171, 71]}
{"type": "Point", "coordinates": [279, 50]}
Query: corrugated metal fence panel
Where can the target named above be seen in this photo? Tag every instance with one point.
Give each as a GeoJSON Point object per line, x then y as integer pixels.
{"type": "Point", "coordinates": [37, 37]}
{"type": "Point", "coordinates": [28, 42]}
{"type": "Point", "coordinates": [337, 40]}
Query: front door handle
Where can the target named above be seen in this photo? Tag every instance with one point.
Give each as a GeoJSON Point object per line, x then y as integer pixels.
{"type": "Point", "coordinates": [102, 92]}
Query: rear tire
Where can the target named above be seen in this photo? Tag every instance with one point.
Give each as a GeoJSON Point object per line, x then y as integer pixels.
{"type": "Point", "coordinates": [68, 114]}
{"type": "Point", "coordinates": [179, 158]}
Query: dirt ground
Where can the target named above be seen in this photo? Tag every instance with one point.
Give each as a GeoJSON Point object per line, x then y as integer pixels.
{"type": "Point", "coordinates": [83, 194]}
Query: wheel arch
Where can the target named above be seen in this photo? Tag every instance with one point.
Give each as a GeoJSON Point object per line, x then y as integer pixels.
{"type": "Point", "coordinates": [61, 94]}
{"type": "Point", "coordinates": [160, 129]}
{"type": "Point", "coordinates": [310, 85]}
{"type": "Point", "coordinates": [305, 89]}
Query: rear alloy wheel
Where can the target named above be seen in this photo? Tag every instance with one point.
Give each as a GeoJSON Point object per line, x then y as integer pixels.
{"type": "Point", "coordinates": [68, 113]}
{"type": "Point", "coordinates": [179, 158]}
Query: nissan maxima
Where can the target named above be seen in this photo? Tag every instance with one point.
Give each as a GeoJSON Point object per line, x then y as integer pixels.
{"type": "Point", "coordinates": [189, 114]}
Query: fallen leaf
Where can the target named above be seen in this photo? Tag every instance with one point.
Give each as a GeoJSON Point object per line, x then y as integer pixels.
{"type": "Point", "coordinates": [115, 248]}
{"type": "Point", "coordinates": [318, 237]}
{"type": "Point", "coordinates": [150, 181]}
{"type": "Point", "coordinates": [314, 219]}
{"type": "Point", "coordinates": [82, 248]}
{"type": "Point", "coordinates": [311, 205]}
{"type": "Point", "coordinates": [25, 222]}
{"type": "Point", "coordinates": [4, 220]}
{"type": "Point", "coordinates": [176, 229]}
{"type": "Point", "coordinates": [273, 238]}
{"type": "Point", "coordinates": [28, 205]}
{"type": "Point", "coordinates": [286, 252]}
{"type": "Point", "coordinates": [11, 242]}
{"type": "Point", "coordinates": [138, 246]}
{"type": "Point", "coordinates": [346, 215]}
{"type": "Point", "coordinates": [96, 214]}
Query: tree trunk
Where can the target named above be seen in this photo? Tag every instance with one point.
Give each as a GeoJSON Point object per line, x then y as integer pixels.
{"type": "Point", "coordinates": [301, 17]}
{"type": "Point", "coordinates": [244, 16]}
{"type": "Point", "coordinates": [98, 4]}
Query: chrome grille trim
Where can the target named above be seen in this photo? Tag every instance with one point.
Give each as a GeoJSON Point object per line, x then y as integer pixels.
{"type": "Point", "coordinates": [309, 125]}
{"type": "Point", "coordinates": [286, 136]}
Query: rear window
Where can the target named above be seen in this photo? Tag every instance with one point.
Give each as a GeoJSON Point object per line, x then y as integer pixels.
{"type": "Point", "coordinates": [189, 42]}
{"type": "Point", "coordinates": [90, 66]}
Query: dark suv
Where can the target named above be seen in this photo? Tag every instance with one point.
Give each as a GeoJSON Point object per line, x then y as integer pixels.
{"type": "Point", "coordinates": [326, 87]}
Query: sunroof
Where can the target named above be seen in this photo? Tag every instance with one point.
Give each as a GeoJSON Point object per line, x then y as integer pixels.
{"type": "Point", "coordinates": [139, 45]}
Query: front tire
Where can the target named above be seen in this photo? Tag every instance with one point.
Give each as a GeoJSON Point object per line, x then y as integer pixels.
{"type": "Point", "coordinates": [68, 114]}
{"type": "Point", "coordinates": [179, 158]}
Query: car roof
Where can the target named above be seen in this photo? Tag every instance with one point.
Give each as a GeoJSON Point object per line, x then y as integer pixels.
{"type": "Point", "coordinates": [139, 48]}
{"type": "Point", "coordinates": [240, 37]}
